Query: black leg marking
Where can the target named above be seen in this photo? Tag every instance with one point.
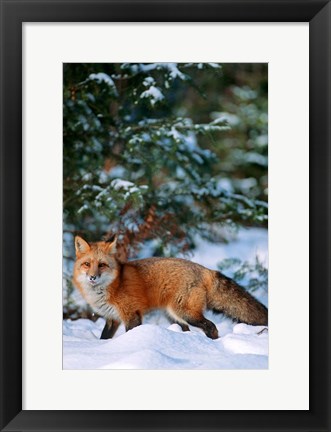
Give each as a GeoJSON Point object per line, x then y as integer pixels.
{"type": "Point", "coordinates": [110, 329]}
{"type": "Point", "coordinates": [184, 327]}
{"type": "Point", "coordinates": [207, 326]}
{"type": "Point", "coordinates": [217, 311]}
{"type": "Point", "coordinates": [135, 321]}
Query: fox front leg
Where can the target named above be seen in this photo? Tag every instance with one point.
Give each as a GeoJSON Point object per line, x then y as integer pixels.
{"type": "Point", "coordinates": [133, 321]}
{"type": "Point", "coordinates": [110, 328]}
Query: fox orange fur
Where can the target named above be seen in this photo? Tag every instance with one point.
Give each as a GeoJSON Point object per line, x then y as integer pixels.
{"type": "Point", "coordinates": [125, 292]}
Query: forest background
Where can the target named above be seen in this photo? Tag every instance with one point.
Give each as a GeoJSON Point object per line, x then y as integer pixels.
{"type": "Point", "coordinates": [163, 154]}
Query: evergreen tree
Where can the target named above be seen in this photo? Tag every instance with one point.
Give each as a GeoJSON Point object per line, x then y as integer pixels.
{"type": "Point", "coordinates": [133, 163]}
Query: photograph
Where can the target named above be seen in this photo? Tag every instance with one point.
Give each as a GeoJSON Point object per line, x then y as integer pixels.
{"type": "Point", "coordinates": [165, 216]}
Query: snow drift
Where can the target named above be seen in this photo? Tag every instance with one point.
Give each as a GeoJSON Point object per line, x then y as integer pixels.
{"type": "Point", "coordinates": [157, 344]}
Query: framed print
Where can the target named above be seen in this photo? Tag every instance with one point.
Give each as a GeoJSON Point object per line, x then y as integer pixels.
{"type": "Point", "coordinates": [133, 57]}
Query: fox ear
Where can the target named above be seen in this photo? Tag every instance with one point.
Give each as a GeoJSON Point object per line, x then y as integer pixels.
{"type": "Point", "coordinates": [81, 246]}
{"type": "Point", "coordinates": [111, 244]}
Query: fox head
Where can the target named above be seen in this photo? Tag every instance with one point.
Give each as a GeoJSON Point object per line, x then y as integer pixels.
{"type": "Point", "coordinates": [96, 265]}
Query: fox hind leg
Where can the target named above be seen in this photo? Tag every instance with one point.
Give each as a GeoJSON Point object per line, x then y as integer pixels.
{"type": "Point", "coordinates": [190, 312]}
{"type": "Point", "coordinates": [184, 327]}
{"type": "Point", "coordinates": [207, 326]}
{"type": "Point", "coordinates": [174, 320]}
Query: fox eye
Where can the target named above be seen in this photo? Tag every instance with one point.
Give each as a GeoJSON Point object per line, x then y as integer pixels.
{"type": "Point", "coordinates": [101, 265]}
{"type": "Point", "coordinates": [87, 264]}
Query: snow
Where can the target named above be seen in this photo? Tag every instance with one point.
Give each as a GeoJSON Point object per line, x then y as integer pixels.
{"type": "Point", "coordinates": [83, 208]}
{"type": "Point", "coordinates": [214, 65]}
{"type": "Point", "coordinates": [244, 93]}
{"type": "Point", "coordinates": [174, 71]}
{"type": "Point", "coordinates": [101, 77]}
{"type": "Point", "coordinates": [128, 186]}
{"type": "Point", "coordinates": [172, 68]}
{"type": "Point", "coordinates": [175, 134]}
{"type": "Point", "coordinates": [155, 347]}
{"type": "Point", "coordinates": [158, 344]}
{"type": "Point", "coordinates": [256, 158]}
{"type": "Point", "coordinates": [148, 81]}
{"type": "Point", "coordinates": [249, 244]}
{"type": "Point", "coordinates": [231, 119]}
{"type": "Point", "coordinates": [154, 95]}
{"type": "Point", "coordinates": [120, 183]}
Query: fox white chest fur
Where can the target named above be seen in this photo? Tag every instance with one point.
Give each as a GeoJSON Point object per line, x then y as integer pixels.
{"type": "Point", "coordinates": [97, 297]}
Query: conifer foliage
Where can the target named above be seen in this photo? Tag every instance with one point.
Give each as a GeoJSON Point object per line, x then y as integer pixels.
{"type": "Point", "coordinates": [140, 162]}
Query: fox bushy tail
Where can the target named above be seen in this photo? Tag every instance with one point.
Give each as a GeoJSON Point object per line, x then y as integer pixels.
{"type": "Point", "coordinates": [231, 299]}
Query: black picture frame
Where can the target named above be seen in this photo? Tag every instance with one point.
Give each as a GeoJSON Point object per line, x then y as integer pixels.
{"type": "Point", "coordinates": [13, 14]}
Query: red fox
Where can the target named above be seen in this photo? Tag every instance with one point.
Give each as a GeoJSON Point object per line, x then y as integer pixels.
{"type": "Point", "coordinates": [125, 292]}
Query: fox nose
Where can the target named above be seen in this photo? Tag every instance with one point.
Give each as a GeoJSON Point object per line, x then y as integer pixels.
{"type": "Point", "coordinates": [93, 278]}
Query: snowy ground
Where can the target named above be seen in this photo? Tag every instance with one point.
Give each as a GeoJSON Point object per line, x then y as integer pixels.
{"type": "Point", "coordinates": [157, 344]}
